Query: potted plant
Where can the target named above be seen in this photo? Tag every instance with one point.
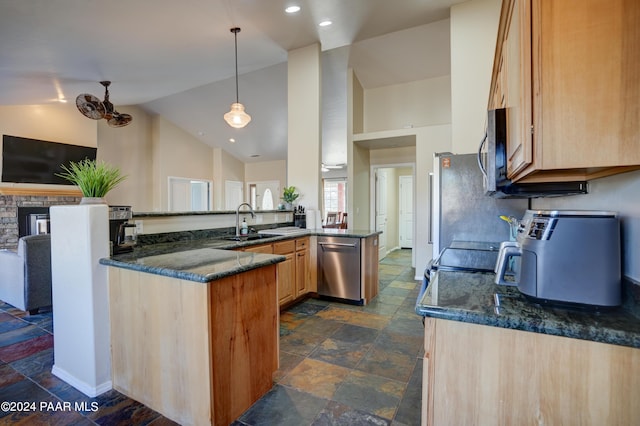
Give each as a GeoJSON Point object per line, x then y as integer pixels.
{"type": "Point", "coordinates": [95, 179]}
{"type": "Point", "coordinates": [289, 196]}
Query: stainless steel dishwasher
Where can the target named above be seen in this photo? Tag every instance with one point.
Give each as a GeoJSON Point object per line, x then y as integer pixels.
{"type": "Point", "coordinates": [339, 269]}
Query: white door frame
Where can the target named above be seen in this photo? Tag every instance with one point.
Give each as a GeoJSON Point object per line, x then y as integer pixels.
{"type": "Point", "coordinates": [372, 197]}
{"type": "Point", "coordinates": [405, 179]}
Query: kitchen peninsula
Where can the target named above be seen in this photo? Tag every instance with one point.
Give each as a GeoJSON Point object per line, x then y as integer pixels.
{"type": "Point", "coordinates": [195, 322]}
{"type": "Point", "coordinates": [193, 334]}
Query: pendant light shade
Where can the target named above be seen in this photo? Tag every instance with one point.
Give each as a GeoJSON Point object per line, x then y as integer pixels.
{"type": "Point", "coordinates": [237, 117]}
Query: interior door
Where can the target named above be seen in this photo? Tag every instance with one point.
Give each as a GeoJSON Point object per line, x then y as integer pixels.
{"type": "Point", "coordinates": [264, 195]}
{"type": "Point", "coordinates": [232, 194]}
{"type": "Point", "coordinates": [381, 211]}
{"type": "Point", "coordinates": [405, 220]}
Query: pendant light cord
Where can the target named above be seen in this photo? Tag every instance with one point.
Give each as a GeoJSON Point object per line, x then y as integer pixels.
{"type": "Point", "coordinates": [235, 32]}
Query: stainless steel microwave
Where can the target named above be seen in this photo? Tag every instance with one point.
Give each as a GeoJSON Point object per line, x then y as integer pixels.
{"type": "Point", "coordinates": [492, 159]}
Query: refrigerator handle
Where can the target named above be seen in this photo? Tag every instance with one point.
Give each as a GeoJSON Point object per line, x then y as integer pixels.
{"type": "Point", "coordinates": [482, 168]}
{"type": "Point", "coordinates": [430, 208]}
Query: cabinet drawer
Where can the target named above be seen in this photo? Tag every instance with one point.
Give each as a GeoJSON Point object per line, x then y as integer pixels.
{"type": "Point", "coordinates": [302, 243]}
{"type": "Point", "coordinates": [265, 248]}
{"type": "Point", "coordinates": [284, 247]}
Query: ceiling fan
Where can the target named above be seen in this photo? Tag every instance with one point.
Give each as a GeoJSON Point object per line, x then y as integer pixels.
{"type": "Point", "coordinates": [333, 167]}
{"type": "Point", "coordinates": [91, 107]}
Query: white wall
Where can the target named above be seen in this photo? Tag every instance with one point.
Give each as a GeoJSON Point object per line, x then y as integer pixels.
{"type": "Point", "coordinates": [474, 30]}
{"type": "Point", "coordinates": [415, 104]}
{"type": "Point", "coordinates": [620, 193]}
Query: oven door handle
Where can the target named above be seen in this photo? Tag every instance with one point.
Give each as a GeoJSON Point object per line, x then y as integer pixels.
{"type": "Point", "coordinates": [338, 244]}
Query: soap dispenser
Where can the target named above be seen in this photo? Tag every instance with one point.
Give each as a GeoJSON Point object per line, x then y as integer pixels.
{"type": "Point", "coordinates": [244, 228]}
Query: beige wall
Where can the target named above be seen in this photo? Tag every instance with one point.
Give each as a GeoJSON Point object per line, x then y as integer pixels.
{"type": "Point", "coordinates": [176, 153]}
{"type": "Point", "coordinates": [54, 123]}
{"type": "Point", "coordinates": [474, 30]}
{"type": "Point", "coordinates": [130, 149]}
{"type": "Point", "coordinates": [265, 171]}
{"type": "Point", "coordinates": [403, 155]}
{"type": "Point", "coordinates": [304, 124]}
{"type": "Point", "coordinates": [415, 104]}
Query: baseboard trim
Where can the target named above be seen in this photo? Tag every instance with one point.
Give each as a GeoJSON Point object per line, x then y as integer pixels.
{"type": "Point", "coordinates": [91, 391]}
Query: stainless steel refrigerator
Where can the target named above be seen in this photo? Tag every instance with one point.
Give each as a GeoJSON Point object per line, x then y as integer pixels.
{"type": "Point", "coordinates": [459, 209]}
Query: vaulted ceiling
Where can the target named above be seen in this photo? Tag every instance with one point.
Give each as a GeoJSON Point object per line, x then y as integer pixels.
{"type": "Point", "coordinates": [177, 58]}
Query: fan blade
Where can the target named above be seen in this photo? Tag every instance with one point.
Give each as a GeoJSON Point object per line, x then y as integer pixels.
{"type": "Point", "coordinates": [119, 120]}
{"type": "Point", "coordinates": [90, 106]}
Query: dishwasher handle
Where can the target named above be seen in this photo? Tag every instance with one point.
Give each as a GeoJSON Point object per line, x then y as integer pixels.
{"type": "Point", "coordinates": [338, 244]}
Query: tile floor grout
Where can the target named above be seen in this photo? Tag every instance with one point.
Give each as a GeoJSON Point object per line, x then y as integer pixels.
{"type": "Point", "coordinates": [28, 377]}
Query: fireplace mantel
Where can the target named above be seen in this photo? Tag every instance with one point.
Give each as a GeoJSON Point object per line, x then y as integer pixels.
{"type": "Point", "coordinates": [48, 192]}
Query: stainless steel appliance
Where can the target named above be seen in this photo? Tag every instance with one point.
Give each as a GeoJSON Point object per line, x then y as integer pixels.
{"type": "Point", "coordinates": [339, 269]}
{"type": "Point", "coordinates": [492, 158]}
{"type": "Point", "coordinates": [567, 257]}
{"type": "Point", "coordinates": [460, 210]}
{"type": "Point", "coordinates": [119, 217]}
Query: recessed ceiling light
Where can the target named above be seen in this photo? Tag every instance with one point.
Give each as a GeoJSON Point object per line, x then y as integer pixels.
{"type": "Point", "coordinates": [325, 23]}
{"type": "Point", "coordinates": [232, 140]}
{"type": "Point", "coordinates": [292, 9]}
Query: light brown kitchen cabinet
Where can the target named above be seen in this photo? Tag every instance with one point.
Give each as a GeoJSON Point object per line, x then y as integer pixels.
{"type": "Point", "coordinates": [303, 271]}
{"type": "Point", "coordinates": [569, 77]}
{"type": "Point", "coordinates": [476, 374]}
{"type": "Point", "coordinates": [286, 271]}
{"type": "Point", "coordinates": [263, 248]}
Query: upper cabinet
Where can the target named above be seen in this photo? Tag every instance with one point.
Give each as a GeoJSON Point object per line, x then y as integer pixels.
{"type": "Point", "coordinates": [568, 73]}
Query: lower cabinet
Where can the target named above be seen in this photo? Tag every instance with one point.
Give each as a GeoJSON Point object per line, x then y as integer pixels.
{"type": "Point", "coordinates": [296, 275]}
{"type": "Point", "coordinates": [286, 271]}
{"type": "Point", "coordinates": [481, 375]}
{"type": "Point", "coordinates": [303, 271]}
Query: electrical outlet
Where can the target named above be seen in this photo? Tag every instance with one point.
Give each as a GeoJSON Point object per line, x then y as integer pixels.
{"type": "Point", "coordinates": [138, 224]}
{"type": "Point", "coordinates": [258, 219]}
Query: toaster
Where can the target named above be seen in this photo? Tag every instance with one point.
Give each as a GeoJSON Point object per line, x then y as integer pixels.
{"type": "Point", "coordinates": [568, 257]}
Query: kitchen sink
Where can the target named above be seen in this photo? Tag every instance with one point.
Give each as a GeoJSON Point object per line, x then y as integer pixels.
{"type": "Point", "coordinates": [250, 237]}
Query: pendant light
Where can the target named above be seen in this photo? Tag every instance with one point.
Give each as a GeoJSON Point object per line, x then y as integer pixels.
{"type": "Point", "coordinates": [237, 117]}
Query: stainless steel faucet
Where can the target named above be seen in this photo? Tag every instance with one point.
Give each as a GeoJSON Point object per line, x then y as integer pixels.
{"type": "Point", "coordinates": [238, 216]}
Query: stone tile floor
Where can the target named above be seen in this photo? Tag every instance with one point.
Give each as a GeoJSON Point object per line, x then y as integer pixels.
{"type": "Point", "coordinates": [339, 365]}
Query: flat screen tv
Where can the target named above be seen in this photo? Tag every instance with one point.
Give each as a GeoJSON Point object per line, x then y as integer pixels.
{"type": "Point", "coordinates": [27, 160]}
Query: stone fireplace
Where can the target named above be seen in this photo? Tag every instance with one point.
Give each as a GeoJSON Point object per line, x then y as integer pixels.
{"type": "Point", "coordinates": [27, 202]}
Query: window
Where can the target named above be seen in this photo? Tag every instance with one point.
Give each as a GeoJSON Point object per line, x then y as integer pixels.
{"type": "Point", "coordinates": [335, 196]}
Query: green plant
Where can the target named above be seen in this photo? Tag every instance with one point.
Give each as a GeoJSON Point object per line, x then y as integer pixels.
{"type": "Point", "coordinates": [289, 195]}
{"type": "Point", "coordinates": [93, 178]}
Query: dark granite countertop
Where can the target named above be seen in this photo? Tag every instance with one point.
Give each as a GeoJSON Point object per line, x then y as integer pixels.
{"type": "Point", "coordinates": [474, 298]}
{"type": "Point", "coordinates": [209, 259]}
{"type": "Point", "coordinates": [201, 264]}
{"type": "Point", "coordinates": [201, 213]}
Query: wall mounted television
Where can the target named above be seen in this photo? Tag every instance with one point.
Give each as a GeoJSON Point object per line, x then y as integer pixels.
{"type": "Point", "coordinates": [27, 160]}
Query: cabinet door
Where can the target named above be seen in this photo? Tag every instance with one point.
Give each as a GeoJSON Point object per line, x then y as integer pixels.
{"type": "Point", "coordinates": [492, 375]}
{"type": "Point", "coordinates": [516, 79]}
{"type": "Point", "coordinates": [286, 271]}
{"type": "Point", "coordinates": [302, 272]}
{"type": "Point", "coordinates": [587, 83]}
{"type": "Point", "coordinates": [286, 279]}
